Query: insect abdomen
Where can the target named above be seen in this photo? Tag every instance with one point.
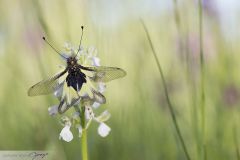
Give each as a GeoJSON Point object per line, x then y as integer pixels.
{"type": "Point", "coordinates": [76, 79]}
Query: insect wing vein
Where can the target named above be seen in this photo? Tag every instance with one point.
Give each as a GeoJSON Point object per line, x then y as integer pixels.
{"type": "Point", "coordinates": [46, 86]}
{"type": "Point", "coordinates": [105, 74]}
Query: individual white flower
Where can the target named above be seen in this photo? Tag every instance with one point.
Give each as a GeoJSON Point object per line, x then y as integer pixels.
{"type": "Point", "coordinates": [67, 46]}
{"type": "Point", "coordinates": [92, 56]}
{"type": "Point", "coordinates": [91, 51]}
{"type": "Point", "coordinates": [101, 87]}
{"type": "Point", "coordinates": [103, 129]}
{"type": "Point", "coordinates": [89, 113]}
{"type": "Point", "coordinates": [66, 133]}
{"type": "Point", "coordinates": [95, 61]}
{"type": "Point", "coordinates": [53, 110]}
{"type": "Point", "coordinates": [103, 117]}
{"type": "Point", "coordinates": [96, 105]}
{"type": "Point", "coordinates": [75, 115]}
{"type": "Point", "coordinates": [71, 49]}
{"type": "Point", "coordinates": [59, 90]}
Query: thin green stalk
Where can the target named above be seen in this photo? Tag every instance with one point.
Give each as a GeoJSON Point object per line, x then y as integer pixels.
{"type": "Point", "coordinates": [177, 16]}
{"type": "Point", "coordinates": [173, 116]}
{"type": "Point", "coordinates": [202, 67]}
{"type": "Point", "coordinates": [84, 136]}
{"type": "Point", "coordinates": [184, 51]}
{"type": "Point", "coordinates": [84, 145]}
{"type": "Point", "coordinates": [236, 142]}
{"type": "Point", "coordinates": [192, 89]}
{"type": "Point", "coordinates": [180, 32]}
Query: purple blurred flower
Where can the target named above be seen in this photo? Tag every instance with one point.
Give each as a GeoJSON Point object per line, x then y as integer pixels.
{"type": "Point", "coordinates": [32, 37]}
{"type": "Point", "coordinates": [231, 95]}
{"type": "Point", "coordinates": [209, 7]}
{"type": "Point", "coordinates": [189, 46]}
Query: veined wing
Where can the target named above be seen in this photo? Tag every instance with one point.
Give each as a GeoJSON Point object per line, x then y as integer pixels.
{"type": "Point", "coordinates": [64, 106]}
{"type": "Point", "coordinates": [105, 74]}
{"type": "Point", "coordinates": [98, 97]}
{"type": "Point", "coordinates": [46, 86]}
{"type": "Point", "coordinates": [85, 100]}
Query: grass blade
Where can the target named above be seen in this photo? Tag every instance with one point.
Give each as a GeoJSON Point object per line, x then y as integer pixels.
{"type": "Point", "coordinates": [173, 116]}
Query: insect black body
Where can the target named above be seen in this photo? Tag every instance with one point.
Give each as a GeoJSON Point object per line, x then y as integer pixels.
{"type": "Point", "coordinates": [75, 77]}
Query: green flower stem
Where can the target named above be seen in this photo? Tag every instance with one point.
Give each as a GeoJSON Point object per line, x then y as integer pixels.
{"type": "Point", "coordinates": [173, 116]}
{"type": "Point", "coordinates": [84, 145]}
{"type": "Point", "coordinates": [202, 85]}
{"type": "Point", "coordinates": [236, 142]}
{"type": "Point", "coordinates": [84, 135]}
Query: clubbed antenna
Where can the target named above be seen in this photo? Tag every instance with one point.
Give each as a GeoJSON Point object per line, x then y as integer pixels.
{"type": "Point", "coordinates": [53, 47]}
{"type": "Point", "coordinates": [80, 41]}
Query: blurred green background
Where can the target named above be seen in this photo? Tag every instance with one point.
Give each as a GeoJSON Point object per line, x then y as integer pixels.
{"type": "Point", "coordinates": [141, 124]}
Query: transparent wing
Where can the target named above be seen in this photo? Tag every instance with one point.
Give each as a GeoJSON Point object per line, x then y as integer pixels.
{"type": "Point", "coordinates": [90, 93]}
{"type": "Point", "coordinates": [98, 97]}
{"type": "Point", "coordinates": [105, 74]}
{"type": "Point", "coordinates": [45, 86]}
{"type": "Point", "coordinates": [64, 106]}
